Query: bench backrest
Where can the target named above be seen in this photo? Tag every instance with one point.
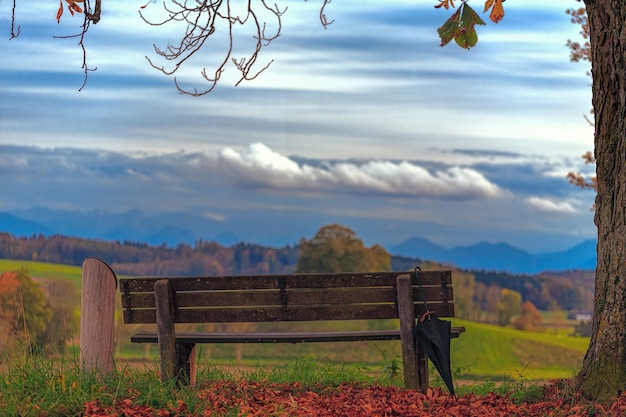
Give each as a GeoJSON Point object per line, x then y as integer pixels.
{"type": "Point", "coordinates": [295, 297]}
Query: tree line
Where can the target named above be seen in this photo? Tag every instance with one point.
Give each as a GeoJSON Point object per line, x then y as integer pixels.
{"type": "Point", "coordinates": [44, 317]}
{"type": "Point", "coordinates": [334, 248]}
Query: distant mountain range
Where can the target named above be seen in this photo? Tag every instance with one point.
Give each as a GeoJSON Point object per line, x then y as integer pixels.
{"type": "Point", "coordinates": [500, 256]}
{"type": "Point", "coordinates": [175, 228]}
{"type": "Point", "coordinates": [134, 225]}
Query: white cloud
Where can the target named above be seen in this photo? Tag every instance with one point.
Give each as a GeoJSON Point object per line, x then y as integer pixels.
{"type": "Point", "coordinates": [215, 216]}
{"type": "Point", "coordinates": [258, 166]}
{"type": "Point", "coordinates": [139, 175]}
{"type": "Point", "coordinates": [546, 205]}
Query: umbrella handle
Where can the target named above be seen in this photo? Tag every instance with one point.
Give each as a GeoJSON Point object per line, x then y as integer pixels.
{"type": "Point", "coordinates": [425, 316]}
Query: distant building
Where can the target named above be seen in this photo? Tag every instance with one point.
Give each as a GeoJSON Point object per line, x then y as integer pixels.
{"type": "Point", "coordinates": [580, 315]}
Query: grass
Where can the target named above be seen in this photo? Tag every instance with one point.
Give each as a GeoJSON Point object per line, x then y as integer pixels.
{"type": "Point", "coordinates": [483, 352]}
{"type": "Point", "coordinates": [497, 353]}
{"type": "Point", "coordinates": [34, 386]}
{"type": "Point", "coordinates": [44, 270]}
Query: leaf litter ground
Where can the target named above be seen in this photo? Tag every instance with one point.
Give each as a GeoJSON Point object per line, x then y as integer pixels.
{"type": "Point", "coordinates": [245, 398]}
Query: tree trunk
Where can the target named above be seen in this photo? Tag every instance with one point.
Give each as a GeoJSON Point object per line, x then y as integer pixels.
{"type": "Point", "coordinates": [603, 374]}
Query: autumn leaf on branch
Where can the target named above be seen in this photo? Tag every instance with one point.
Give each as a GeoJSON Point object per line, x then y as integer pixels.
{"type": "Point", "coordinates": [71, 6]}
{"type": "Point", "coordinates": [460, 27]}
{"type": "Point", "coordinates": [146, 5]}
{"type": "Point", "coordinates": [497, 10]}
{"type": "Point", "coordinates": [445, 4]}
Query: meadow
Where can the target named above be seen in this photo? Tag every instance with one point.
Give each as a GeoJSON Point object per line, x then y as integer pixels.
{"type": "Point", "coordinates": [32, 386]}
{"type": "Point", "coordinates": [482, 353]}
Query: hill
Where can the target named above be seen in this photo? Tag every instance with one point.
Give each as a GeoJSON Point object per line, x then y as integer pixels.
{"type": "Point", "coordinates": [496, 352]}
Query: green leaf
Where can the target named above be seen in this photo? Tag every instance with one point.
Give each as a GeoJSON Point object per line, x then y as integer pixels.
{"type": "Point", "coordinates": [460, 27]}
{"type": "Point", "coordinates": [469, 17]}
{"type": "Point", "coordinates": [467, 38]}
{"type": "Point", "coordinates": [450, 29]}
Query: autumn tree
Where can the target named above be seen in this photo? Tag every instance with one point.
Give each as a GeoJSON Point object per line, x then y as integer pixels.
{"type": "Point", "coordinates": [529, 318]}
{"type": "Point", "coordinates": [63, 301]}
{"type": "Point", "coordinates": [486, 301]}
{"type": "Point", "coordinates": [9, 307]}
{"type": "Point", "coordinates": [25, 310]}
{"type": "Point", "coordinates": [336, 248]}
{"type": "Point", "coordinates": [508, 305]}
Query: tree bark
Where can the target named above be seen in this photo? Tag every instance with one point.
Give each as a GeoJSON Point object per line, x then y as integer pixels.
{"type": "Point", "coordinates": [603, 374]}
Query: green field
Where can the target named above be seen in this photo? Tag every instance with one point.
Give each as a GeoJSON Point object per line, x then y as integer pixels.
{"type": "Point", "coordinates": [44, 270]}
{"type": "Point", "coordinates": [482, 352]}
{"type": "Point", "coordinates": [494, 352]}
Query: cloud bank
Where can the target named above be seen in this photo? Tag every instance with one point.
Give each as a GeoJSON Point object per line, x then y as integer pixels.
{"type": "Point", "coordinates": [259, 166]}
{"type": "Point", "coordinates": [270, 197]}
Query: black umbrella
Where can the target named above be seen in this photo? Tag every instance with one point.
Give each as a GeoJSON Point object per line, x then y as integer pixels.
{"type": "Point", "coordinates": [433, 335]}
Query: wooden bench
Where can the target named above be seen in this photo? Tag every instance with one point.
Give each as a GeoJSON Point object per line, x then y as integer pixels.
{"type": "Point", "coordinates": [292, 298]}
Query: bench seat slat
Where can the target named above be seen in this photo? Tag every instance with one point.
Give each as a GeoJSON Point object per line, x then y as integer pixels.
{"type": "Point", "coordinates": [273, 337]}
{"type": "Point", "coordinates": [271, 314]}
{"type": "Point", "coordinates": [292, 297]}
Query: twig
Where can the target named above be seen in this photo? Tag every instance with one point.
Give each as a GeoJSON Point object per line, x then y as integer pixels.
{"type": "Point", "coordinates": [14, 34]}
{"type": "Point", "coordinates": [205, 18]}
{"type": "Point", "coordinates": [89, 17]}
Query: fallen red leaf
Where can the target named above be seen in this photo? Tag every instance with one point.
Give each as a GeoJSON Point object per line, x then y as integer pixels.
{"type": "Point", "coordinates": [219, 398]}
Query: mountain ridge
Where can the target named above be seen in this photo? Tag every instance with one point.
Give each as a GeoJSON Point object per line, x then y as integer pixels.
{"type": "Point", "coordinates": [500, 256]}
{"type": "Point", "coordinates": [175, 228]}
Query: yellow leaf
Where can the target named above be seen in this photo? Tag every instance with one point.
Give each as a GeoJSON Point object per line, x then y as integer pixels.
{"type": "Point", "coordinates": [497, 12]}
{"type": "Point", "coordinates": [60, 11]}
{"type": "Point", "coordinates": [445, 3]}
{"type": "Point", "coordinates": [488, 5]}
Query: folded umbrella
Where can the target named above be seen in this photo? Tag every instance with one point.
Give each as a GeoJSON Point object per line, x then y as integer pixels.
{"type": "Point", "coordinates": [433, 336]}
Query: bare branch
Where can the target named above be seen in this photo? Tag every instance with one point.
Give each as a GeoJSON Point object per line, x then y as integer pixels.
{"type": "Point", "coordinates": [14, 33]}
{"type": "Point", "coordinates": [89, 17]}
{"type": "Point", "coordinates": [579, 180]}
{"type": "Point", "coordinates": [589, 158]}
{"type": "Point", "coordinates": [323, 18]}
{"type": "Point", "coordinates": [203, 19]}
{"type": "Point", "coordinates": [95, 16]}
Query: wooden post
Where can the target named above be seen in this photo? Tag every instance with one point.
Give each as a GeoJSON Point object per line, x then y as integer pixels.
{"type": "Point", "coordinates": [406, 314]}
{"type": "Point", "coordinates": [165, 330]}
{"type": "Point", "coordinates": [97, 317]}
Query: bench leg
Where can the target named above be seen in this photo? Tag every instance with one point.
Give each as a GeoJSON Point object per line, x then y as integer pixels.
{"type": "Point", "coordinates": [164, 305]}
{"type": "Point", "coordinates": [186, 366]}
{"type": "Point", "coordinates": [422, 368]}
{"type": "Point", "coordinates": [406, 313]}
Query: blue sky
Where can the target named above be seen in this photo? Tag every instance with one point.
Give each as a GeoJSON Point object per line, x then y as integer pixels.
{"type": "Point", "coordinates": [369, 123]}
